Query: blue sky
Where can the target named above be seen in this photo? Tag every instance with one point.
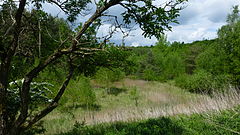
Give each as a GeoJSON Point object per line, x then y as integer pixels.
{"type": "Point", "coordinates": [199, 20]}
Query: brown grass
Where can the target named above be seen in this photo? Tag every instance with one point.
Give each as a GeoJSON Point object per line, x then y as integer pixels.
{"type": "Point", "coordinates": [163, 100]}
{"type": "Point", "coordinates": [156, 99]}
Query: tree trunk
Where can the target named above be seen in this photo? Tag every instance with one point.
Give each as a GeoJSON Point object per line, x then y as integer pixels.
{"type": "Point", "coordinates": [14, 131]}
{"type": "Point", "coordinates": [3, 98]}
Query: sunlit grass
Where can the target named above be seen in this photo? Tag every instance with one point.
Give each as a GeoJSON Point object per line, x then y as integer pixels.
{"type": "Point", "coordinates": [155, 99]}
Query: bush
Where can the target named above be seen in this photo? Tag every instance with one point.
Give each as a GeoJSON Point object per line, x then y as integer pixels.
{"type": "Point", "coordinates": [222, 123]}
{"type": "Point", "coordinates": [149, 75]}
{"type": "Point", "coordinates": [212, 60]}
{"type": "Point", "coordinates": [135, 95]}
{"type": "Point", "coordinates": [106, 76]}
{"type": "Point", "coordinates": [202, 82]}
{"type": "Point", "coordinates": [173, 66]}
{"type": "Point", "coordinates": [80, 92]}
{"type": "Point", "coordinates": [161, 126]}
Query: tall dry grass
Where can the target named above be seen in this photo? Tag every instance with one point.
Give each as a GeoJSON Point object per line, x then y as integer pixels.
{"type": "Point", "coordinates": [216, 103]}
{"type": "Point", "coordinates": [156, 100]}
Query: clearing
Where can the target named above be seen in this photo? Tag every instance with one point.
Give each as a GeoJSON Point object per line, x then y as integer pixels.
{"type": "Point", "coordinates": [154, 99]}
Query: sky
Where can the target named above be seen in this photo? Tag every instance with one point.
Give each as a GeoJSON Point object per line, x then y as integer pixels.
{"type": "Point", "coordinates": [200, 19]}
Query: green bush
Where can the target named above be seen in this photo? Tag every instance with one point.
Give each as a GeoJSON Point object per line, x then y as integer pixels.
{"type": "Point", "coordinates": [135, 95]}
{"type": "Point", "coordinates": [149, 75]}
{"type": "Point", "coordinates": [161, 126]}
{"type": "Point", "coordinates": [80, 92]}
{"type": "Point", "coordinates": [106, 76]}
{"type": "Point", "coordinates": [202, 82]}
{"type": "Point", "coordinates": [222, 123]}
{"type": "Point", "coordinates": [212, 60]}
{"type": "Point", "coordinates": [173, 66]}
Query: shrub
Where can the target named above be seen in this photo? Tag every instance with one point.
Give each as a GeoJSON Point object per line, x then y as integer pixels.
{"type": "Point", "coordinates": [161, 126]}
{"type": "Point", "coordinates": [221, 123]}
{"type": "Point", "coordinates": [135, 95]}
{"type": "Point", "coordinates": [173, 66]}
{"type": "Point", "coordinates": [149, 75]}
{"type": "Point", "coordinates": [106, 76]}
{"type": "Point", "coordinates": [81, 92]}
{"type": "Point", "coordinates": [202, 82]}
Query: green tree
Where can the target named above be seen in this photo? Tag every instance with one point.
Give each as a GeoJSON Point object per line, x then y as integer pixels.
{"type": "Point", "coordinates": [229, 43]}
{"type": "Point", "coordinates": [87, 96]}
{"type": "Point", "coordinates": [234, 16]}
{"type": "Point", "coordinates": [152, 19]}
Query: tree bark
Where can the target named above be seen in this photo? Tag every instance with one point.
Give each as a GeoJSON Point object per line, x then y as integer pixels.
{"type": "Point", "coordinates": [3, 99]}
{"type": "Point", "coordinates": [5, 124]}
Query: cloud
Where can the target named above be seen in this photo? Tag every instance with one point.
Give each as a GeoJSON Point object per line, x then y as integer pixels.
{"type": "Point", "coordinates": [199, 20]}
{"type": "Point", "coordinates": [135, 44]}
{"type": "Point", "coordinates": [135, 37]}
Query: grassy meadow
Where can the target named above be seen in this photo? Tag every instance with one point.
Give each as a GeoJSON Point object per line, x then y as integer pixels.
{"type": "Point", "coordinates": [130, 100]}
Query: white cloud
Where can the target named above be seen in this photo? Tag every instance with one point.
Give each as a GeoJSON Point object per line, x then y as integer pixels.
{"type": "Point", "coordinates": [199, 20]}
{"type": "Point", "coordinates": [135, 44]}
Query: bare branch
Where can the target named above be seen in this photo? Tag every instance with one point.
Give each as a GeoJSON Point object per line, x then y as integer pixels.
{"type": "Point", "coordinates": [97, 14]}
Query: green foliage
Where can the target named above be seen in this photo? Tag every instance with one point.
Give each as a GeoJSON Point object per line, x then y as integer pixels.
{"type": "Point", "coordinates": [173, 66]}
{"type": "Point", "coordinates": [134, 64]}
{"type": "Point", "coordinates": [87, 95]}
{"type": "Point", "coordinates": [107, 76]}
{"type": "Point", "coordinates": [212, 60]}
{"type": "Point", "coordinates": [135, 95]}
{"type": "Point", "coordinates": [234, 17]}
{"type": "Point", "coordinates": [202, 82]}
{"type": "Point", "coordinates": [104, 76]}
{"type": "Point", "coordinates": [39, 94]}
{"type": "Point", "coordinates": [149, 75]}
{"type": "Point", "coordinates": [229, 42]}
{"type": "Point", "coordinates": [222, 123]}
{"type": "Point", "coordinates": [191, 54]}
{"type": "Point", "coordinates": [161, 62]}
{"type": "Point", "coordinates": [53, 30]}
{"type": "Point", "coordinates": [80, 92]}
{"type": "Point", "coordinates": [161, 126]}
{"type": "Point", "coordinates": [111, 57]}
{"type": "Point", "coordinates": [153, 20]}
{"type": "Point", "coordinates": [221, 57]}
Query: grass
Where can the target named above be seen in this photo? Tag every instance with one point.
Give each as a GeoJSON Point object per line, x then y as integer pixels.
{"type": "Point", "coordinates": [155, 100]}
{"type": "Point", "coordinates": [215, 123]}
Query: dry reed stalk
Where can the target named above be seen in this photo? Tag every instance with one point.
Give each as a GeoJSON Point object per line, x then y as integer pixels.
{"type": "Point", "coordinates": [218, 102]}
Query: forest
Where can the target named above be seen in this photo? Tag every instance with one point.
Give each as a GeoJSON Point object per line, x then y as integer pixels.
{"type": "Point", "coordinates": [60, 79]}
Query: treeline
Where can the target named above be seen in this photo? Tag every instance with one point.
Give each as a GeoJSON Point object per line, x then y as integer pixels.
{"type": "Point", "coordinates": [201, 66]}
